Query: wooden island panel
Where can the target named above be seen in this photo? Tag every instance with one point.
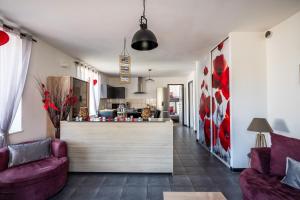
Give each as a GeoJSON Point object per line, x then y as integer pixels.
{"type": "Point", "coordinates": [119, 147]}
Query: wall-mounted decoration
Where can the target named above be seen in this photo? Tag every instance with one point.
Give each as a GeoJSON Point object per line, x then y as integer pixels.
{"type": "Point", "coordinates": [4, 37]}
{"type": "Point", "coordinates": [125, 65]}
{"type": "Point", "coordinates": [204, 105]}
{"type": "Point", "coordinates": [220, 67]}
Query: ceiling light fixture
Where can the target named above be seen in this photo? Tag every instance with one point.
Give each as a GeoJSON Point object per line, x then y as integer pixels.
{"type": "Point", "coordinates": [149, 78]}
{"type": "Point", "coordinates": [144, 39]}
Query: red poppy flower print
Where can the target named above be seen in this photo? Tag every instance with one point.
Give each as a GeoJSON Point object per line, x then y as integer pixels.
{"type": "Point", "coordinates": [207, 132]}
{"type": "Point", "coordinates": [207, 106]}
{"type": "Point", "coordinates": [203, 83]}
{"type": "Point", "coordinates": [224, 83]}
{"type": "Point", "coordinates": [215, 80]}
{"type": "Point", "coordinates": [224, 133]}
{"type": "Point", "coordinates": [220, 46]}
{"type": "Point", "coordinates": [218, 97]}
{"type": "Point", "coordinates": [4, 38]}
{"type": "Point", "coordinates": [202, 111]}
{"type": "Point", "coordinates": [219, 64]}
{"type": "Point", "coordinates": [205, 71]}
{"type": "Point", "coordinates": [228, 109]}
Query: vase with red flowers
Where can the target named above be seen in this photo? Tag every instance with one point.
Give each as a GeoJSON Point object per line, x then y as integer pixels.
{"type": "Point", "coordinates": [57, 103]}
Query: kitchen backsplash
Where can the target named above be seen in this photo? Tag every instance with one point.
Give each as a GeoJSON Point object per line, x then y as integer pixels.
{"type": "Point", "coordinates": [134, 103]}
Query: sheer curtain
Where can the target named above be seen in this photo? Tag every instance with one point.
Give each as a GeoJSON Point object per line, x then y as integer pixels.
{"type": "Point", "coordinates": [94, 78]}
{"type": "Point", "coordinates": [14, 61]}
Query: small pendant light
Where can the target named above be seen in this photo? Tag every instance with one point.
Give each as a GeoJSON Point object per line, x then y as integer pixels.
{"type": "Point", "coordinates": [144, 39]}
{"type": "Point", "coordinates": [149, 77]}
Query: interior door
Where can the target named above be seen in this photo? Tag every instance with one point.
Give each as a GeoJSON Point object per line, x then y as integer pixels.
{"type": "Point", "coordinates": [191, 104]}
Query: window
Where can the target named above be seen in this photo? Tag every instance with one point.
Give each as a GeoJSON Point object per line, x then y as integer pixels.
{"type": "Point", "coordinates": [17, 123]}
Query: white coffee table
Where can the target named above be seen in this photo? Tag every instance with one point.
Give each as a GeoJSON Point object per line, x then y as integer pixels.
{"type": "Point", "coordinates": [193, 196]}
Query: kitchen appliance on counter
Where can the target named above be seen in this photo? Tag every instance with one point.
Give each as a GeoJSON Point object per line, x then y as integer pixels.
{"type": "Point", "coordinates": [162, 101]}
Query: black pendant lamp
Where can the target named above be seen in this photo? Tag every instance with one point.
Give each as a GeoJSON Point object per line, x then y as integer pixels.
{"type": "Point", "coordinates": [144, 39]}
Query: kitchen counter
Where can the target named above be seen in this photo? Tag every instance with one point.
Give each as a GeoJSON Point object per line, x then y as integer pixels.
{"type": "Point", "coordinates": [119, 146]}
{"type": "Point", "coordinates": [150, 121]}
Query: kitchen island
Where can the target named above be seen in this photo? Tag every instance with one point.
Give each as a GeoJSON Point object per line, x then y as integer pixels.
{"type": "Point", "coordinates": [119, 146]}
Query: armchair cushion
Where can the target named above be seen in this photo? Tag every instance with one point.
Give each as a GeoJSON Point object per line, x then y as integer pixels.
{"type": "Point", "coordinates": [282, 147]}
{"type": "Point", "coordinates": [4, 156]}
{"type": "Point", "coordinates": [59, 148]}
{"type": "Point", "coordinates": [260, 159]}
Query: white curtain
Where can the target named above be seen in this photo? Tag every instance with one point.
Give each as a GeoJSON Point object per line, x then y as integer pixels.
{"type": "Point", "coordinates": [94, 78]}
{"type": "Point", "coordinates": [14, 61]}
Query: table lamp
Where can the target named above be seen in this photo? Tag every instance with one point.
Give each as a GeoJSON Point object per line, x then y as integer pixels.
{"type": "Point", "coordinates": [260, 125]}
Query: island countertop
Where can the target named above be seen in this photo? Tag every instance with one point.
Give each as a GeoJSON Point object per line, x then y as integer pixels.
{"type": "Point", "coordinates": [111, 121]}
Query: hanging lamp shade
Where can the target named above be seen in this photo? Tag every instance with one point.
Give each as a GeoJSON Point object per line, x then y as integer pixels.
{"type": "Point", "coordinates": [144, 39]}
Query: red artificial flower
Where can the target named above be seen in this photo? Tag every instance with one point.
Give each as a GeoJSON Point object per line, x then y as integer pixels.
{"type": "Point", "coordinates": [224, 83]}
{"type": "Point", "coordinates": [52, 105]}
{"type": "Point", "coordinates": [203, 83]}
{"type": "Point", "coordinates": [202, 112]}
{"type": "Point", "coordinates": [218, 97]}
{"type": "Point", "coordinates": [219, 64]}
{"type": "Point", "coordinates": [94, 82]}
{"type": "Point", "coordinates": [220, 46]}
{"type": "Point", "coordinates": [206, 87]}
{"type": "Point", "coordinates": [4, 38]}
{"type": "Point", "coordinates": [43, 85]}
{"type": "Point", "coordinates": [46, 93]}
{"type": "Point", "coordinates": [205, 71]}
{"type": "Point", "coordinates": [224, 133]}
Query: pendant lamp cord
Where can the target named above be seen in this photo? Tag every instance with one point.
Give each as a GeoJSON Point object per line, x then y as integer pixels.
{"type": "Point", "coordinates": [125, 52]}
{"type": "Point", "coordinates": [144, 6]}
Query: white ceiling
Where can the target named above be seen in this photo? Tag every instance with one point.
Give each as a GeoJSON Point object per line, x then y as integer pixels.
{"type": "Point", "coordinates": [93, 30]}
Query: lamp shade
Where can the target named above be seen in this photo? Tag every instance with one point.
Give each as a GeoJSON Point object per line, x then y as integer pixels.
{"type": "Point", "coordinates": [144, 39]}
{"type": "Point", "coordinates": [260, 125]}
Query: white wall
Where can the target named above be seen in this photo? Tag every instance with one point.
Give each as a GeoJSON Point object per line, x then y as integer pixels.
{"type": "Point", "coordinates": [283, 76]}
{"type": "Point", "coordinates": [149, 87]}
{"type": "Point", "coordinates": [190, 77]}
{"type": "Point", "coordinates": [45, 61]}
{"type": "Point", "coordinates": [248, 91]}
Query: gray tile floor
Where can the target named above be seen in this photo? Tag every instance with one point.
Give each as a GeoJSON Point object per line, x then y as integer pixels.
{"type": "Point", "coordinates": [194, 170]}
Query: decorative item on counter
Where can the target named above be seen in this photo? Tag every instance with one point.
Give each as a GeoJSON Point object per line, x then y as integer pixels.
{"type": "Point", "coordinates": [57, 103]}
{"type": "Point", "coordinates": [140, 119]}
{"type": "Point", "coordinates": [146, 113]}
{"type": "Point", "coordinates": [84, 113]}
{"type": "Point", "coordinates": [104, 119]}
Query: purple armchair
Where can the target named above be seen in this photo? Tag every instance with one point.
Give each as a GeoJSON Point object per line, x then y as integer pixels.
{"type": "Point", "coordinates": [36, 180]}
{"type": "Point", "coordinates": [258, 184]}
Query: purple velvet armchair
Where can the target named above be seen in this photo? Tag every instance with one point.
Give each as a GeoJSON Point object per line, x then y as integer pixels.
{"type": "Point", "coordinates": [36, 180]}
{"type": "Point", "coordinates": [257, 183]}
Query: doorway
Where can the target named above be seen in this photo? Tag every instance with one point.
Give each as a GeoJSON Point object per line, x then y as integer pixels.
{"type": "Point", "coordinates": [191, 104]}
{"type": "Point", "coordinates": [176, 102]}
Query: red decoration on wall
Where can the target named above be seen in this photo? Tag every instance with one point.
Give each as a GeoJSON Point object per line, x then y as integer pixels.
{"type": "Point", "coordinates": [94, 82]}
{"type": "Point", "coordinates": [203, 83]}
{"type": "Point", "coordinates": [220, 46]}
{"type": "Point", "coordinates": [218, 97]}
{"type": "Point", "coordinates": [224, 83]}
{"type": "Point", "coordinates": [202, 111]}
{"type": "Point", "coordinates": [4, 38]}
{"type": "Point", "coordinates": [224, 133]}
{"type": "Point", "coordinates": [207, 132]}
{"type": "Point", "coordinates": [205, 71]}
{"type": "Point", "coordinates": [219, 64]}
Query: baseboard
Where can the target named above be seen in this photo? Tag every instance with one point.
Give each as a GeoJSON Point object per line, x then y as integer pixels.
{"type": "Point", "coordinates": [237, 169]}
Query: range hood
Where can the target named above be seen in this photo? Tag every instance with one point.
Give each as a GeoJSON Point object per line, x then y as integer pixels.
{"type": "Point", "coordinates": [140, 88]}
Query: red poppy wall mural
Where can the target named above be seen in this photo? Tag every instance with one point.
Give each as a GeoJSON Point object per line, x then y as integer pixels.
{"type": "Point", "coordinates": [220, 68]}
{"type": "Point", "coordinates": [205, 106]}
